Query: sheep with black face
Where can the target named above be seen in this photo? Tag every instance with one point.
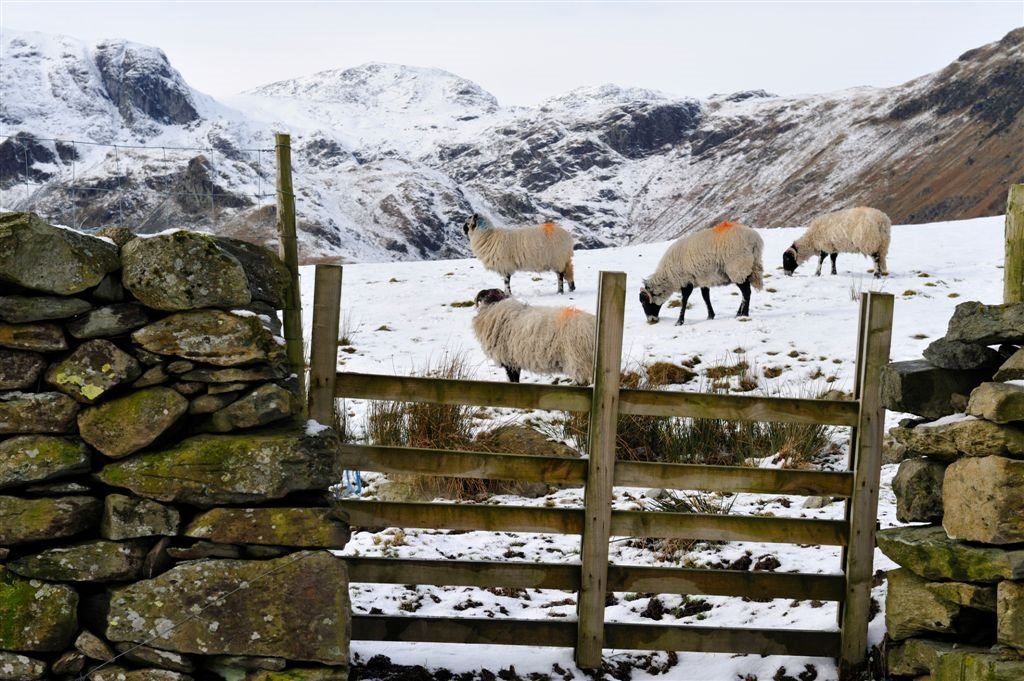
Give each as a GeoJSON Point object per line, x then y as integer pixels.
{"type": "Point", "coordinates": [545, 340]}
{"type": "Point", "coordinates": [854, 230]}
{"type": "Point", "coordinates": [728, 253]}
{"type": "Point", "coordinates": [541, 248]}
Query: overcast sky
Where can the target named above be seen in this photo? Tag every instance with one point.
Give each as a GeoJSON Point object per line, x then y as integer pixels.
{"type": "Point", "coordinates": [524, 52]}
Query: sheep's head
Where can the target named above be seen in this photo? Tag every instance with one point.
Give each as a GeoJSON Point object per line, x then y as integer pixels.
{"type": "Point", "coordinates": [473, 223]}
{"type": "Point", "coordinates": [489, 296]}
{"type": "Point", "coordinates": [652, 308]}
{"type": "Point", "coordinates": [789, 261]}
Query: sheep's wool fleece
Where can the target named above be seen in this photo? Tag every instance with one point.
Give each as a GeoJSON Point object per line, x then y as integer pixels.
{"type": "Point", "coordinates": [544, 340]}
{"type": "Point", "coordinates": [726, 254]}
{"type": "Point", "coordinates": [541, 248]}
{"type": "Point", "coordinates": [854, 230]}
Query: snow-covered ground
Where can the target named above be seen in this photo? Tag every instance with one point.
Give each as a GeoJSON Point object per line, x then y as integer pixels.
{"type": "Point", "coordinates": [400, 320]}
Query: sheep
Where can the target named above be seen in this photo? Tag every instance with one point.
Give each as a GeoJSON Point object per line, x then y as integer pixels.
{"type": "Point", "coordinates": [546, 340]}
{"type": "Point", "coordinates": [541, 248]}
{"type": "Point", "coordinates": [854, 230]}
{"type": "Point", "coordinates": [728, 253]}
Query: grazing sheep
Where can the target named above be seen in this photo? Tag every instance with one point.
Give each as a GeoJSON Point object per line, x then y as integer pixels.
{"type": "Point", "coordinates": [854, 230]}
{"type": "Point", "coordinates": [546, 340]}
{"type": "Point", "coordinates": [728, 253]}
{"type": "Point", "coordinates": [541, 248]}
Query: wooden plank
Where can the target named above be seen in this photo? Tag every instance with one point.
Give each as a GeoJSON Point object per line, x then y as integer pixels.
{"type": "Point", "coordinates": [472, 393]}
{"type": "Point", "coordinates": [738, 407]}
{"type": "Point", "coordinates": [1013, 267]}
{"type": "Point", "coordinates": [740, 583]}
{"type": "Point", "coordinates": [611, 307]}
{"type": "Point", "coordinates": [723, 639]}
{"type": "Point", "coordinates": [483, 574]}
{"type": "Point", "coordinates": [733, 479]}
{"type": "Point", "coordinates": [477, 465]}
{"type": "Point", "coordinates": [863, 507]}
{"type": "Point", "coordinates": [462, 516]}
{"type": "Point", "coordinates": [498, 631]}
{"type": "Point", "coordinates": [620, 636]}
{"type": "Point", "coordinates": [690, 581]}
{"type": "Point", "coordinates": [288, 251]}
{"type": "Point", "coordinates": [729, 528]}
{"type": "Point", "coordinates": [323, 353]}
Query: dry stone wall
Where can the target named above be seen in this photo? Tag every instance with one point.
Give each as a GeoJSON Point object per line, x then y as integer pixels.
{"type": "Point", "coordinates": [163, 512]}
{"type": "Point", "coordinates": [955, 608]}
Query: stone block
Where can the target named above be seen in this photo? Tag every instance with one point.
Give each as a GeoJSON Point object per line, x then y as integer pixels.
{"type": "Point", "coordinates": [997, 402]}
{"type": "Point", "coordinates": [301, 527]}
{"type": "Point", "coordinates": [1012, 369]}
{"type": "Point", "coordinates": [1010, 614]}
{"type": "Point", "coordinates": [947, 354]}
{"type": "Point", "coordinates": [38, 616]}
{"type": "Point", "coordinates": [973, 322]}
{"type": "Point", "coordinates": [930, 553]}
{"type": "Point", "coordinates": [911, 609]}
{"type": "Point", "coordinates": [28, 520]}
{"type": "Point", "coordinates": [982, 499]}
{"type": "Point", "coordinates": [918, 490]}
{"type": "Point", "coordinates": [127, 517]}
{"type": "Point", "coordinates": [302, 592]}
{"type": "Point", "coordinates": [952, 437]}
{"type": "Point", "coordinates": [213, 470]}
{"type": "Point", "coordinates": [917, 387]}
{"type": "Point", "coordinates": [37, 413]}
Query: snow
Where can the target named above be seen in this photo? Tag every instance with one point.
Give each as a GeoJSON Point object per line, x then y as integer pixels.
{"type": "Point", "coordinates": [400, 319]}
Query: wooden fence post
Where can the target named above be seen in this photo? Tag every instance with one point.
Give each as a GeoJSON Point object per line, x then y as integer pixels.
{"type": "Point", "coordinates": [862, 510]}
{"type": "Point", "coordinates": [604, 415]}
{"type": "Point", "coordinates": [288, 250]}
{"type": "Point", "coordinates": [323, 351]}
{"type": "Point", "coordinates": [1013, 268]}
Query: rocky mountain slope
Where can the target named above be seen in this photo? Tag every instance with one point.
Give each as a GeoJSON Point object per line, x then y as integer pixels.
{"type": "Point", "coordinates": [388, 160]}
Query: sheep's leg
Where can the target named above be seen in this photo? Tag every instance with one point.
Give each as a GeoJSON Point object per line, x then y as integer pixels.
{"type": "Point", "coordinates": [685, 291]}
{"type": "Point", "coordinates": [513, 374]}
{"type": "Point", "coordinates": [561, 282]}
{"type": "Point", "coordinates": [880, 267]}
{"type": "Point", "coordinates": [705, 293]}
{"type": "Point", "coordinates": [744, 310]}
{"type": "Point", "coordinates": [821, 259]}
{"type": "Point", "coordinates": [508, 284]}
{"type": "Point", "coordinates": [833, 256]}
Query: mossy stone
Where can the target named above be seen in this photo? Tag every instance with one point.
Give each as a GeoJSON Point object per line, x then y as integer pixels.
{"type": "Point", "coordinates": [212, 336]}
{"type": "Point", "coordinates": [37, 337]}
{"type": "Point", "coordinates": [301, 527]}
{"type": "Point", "coordinates": [124, 425]}
{"type": "Point", "coordinates": [127, 517]}
{"type": "Point", "coordinates": [37, 413]}
{"type": "Point", "coordinates": [29, 520]}
{"type": "Point", "coordinates": [212, 470]}
{"type": "Point", "coordinates": [930, 553]}
{"type": "Point", "coordinates": [49, 259]}
{"type": "Point", "coordinates": [302, 592]}
{"type": "Point", "coordinates": [94, 369]}
{"type": "Point", "coordinates": [94, 561]}
{"type": "Point", "coordinates": [37, 616]}
{"type": "Point", "coordinates": [36, 458]}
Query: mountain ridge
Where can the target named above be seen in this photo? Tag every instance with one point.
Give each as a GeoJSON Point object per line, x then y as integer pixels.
{"type": "Point", "coordinates": [388, 159]}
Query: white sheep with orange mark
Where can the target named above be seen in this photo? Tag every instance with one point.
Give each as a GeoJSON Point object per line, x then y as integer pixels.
{"type": "Point", "coordinates": [541, 248]}
{"type": "Point", "coordinates": [854, 230]}
{"type": "Point", "coordinates": [728, 253]}
{"type": "Point", "coordinates": [544, 340]}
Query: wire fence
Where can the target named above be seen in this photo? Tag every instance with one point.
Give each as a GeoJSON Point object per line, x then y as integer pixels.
{"type": "Point", "coordinates": [88, 185]}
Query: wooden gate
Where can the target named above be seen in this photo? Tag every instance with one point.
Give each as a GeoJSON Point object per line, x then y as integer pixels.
{"type": "Point", "coordinates": [597, 522]}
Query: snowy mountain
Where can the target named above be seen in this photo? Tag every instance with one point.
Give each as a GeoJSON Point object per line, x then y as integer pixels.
{"type": "Point", "coordinates": [388, 160]}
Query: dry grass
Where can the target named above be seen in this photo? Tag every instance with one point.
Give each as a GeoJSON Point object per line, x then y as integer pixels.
{"type": "Point", "coordinates": [437, 426]}
{"type": "Point", "coordinates": [666, 373]}
{"type": "Point", "coordinates": [709, 441]}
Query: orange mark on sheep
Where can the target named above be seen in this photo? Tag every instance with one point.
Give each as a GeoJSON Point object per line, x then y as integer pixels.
{"type": "Point", "coordinates": [723, 227]}
{"type": "Point", "coordinates": [569, 312]}
{"type": "Point", "coordinates": [549, 228]}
